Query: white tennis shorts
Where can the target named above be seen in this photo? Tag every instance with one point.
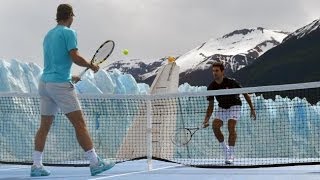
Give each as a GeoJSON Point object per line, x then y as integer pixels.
{"type": "Point", "coordinates": [57, 95]}
{"type": "Point", "coordinates": [226, 114]}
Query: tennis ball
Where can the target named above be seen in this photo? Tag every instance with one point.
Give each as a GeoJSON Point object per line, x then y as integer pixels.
{"type": "Point", "coordinates": [125, 51]}
{"type": "Point", "coordinates": [171, 59]}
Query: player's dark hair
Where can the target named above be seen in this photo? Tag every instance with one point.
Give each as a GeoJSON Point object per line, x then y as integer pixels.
{"type": "Point", "coordinates": [218, 64]}
{"type": "Point", "coordinates": [64, 11]}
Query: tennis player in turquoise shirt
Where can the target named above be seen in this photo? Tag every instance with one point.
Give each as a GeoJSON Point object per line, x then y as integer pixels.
{"type": "Point", "coordinates": [57, 92]}
{"type": "Point", "coordinates": [57, 62]}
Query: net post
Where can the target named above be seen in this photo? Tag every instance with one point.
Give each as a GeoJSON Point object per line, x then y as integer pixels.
{"type": "Point", "coordinates": [149, 135]}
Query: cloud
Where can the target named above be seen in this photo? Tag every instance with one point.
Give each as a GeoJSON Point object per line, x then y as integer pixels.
{"type": "Point", "coordinates": [148, 28]}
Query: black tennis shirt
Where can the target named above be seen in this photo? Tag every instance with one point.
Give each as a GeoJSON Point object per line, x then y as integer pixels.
{"type": "Point", "coordinates": [225, 101]}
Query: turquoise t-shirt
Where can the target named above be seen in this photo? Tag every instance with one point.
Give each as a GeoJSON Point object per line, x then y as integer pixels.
{"type": "Point", "coordinates": [56, 47]}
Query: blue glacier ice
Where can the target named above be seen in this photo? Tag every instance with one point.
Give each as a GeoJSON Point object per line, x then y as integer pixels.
{"type": "Point", "coordinates": [20, 77]}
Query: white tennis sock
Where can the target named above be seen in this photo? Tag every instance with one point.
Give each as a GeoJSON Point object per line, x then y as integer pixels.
{"type": "Point", "coordinates": [92, 156]}
{"type": "Point", "coordinates": [37, 158]}
{"type": "Point", "coordinates": [231, 151]}
{"type": "Point", "coordinates": [224, 145]}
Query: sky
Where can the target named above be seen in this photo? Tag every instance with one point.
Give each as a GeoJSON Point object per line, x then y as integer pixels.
{"type": "Point", "coordinates": [149, 29]}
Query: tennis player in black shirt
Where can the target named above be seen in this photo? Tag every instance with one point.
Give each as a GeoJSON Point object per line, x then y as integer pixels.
{"type": "Point", "coordinates": [229, 110]}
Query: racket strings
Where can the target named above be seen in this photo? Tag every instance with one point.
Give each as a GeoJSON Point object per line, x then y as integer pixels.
{"type": "Point", "coordinates": [182, 137]}
{"type": "Point", "coordinates": [103, 52]}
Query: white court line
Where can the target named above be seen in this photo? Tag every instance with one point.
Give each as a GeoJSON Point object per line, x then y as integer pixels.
{"type": "Point", "coordinates": [8, 169]}
{"type": "Point", "coordinates": [135, 172]}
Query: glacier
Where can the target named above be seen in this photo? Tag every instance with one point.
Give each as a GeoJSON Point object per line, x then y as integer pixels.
{"type": "Point", "coordinates": [21, 77]}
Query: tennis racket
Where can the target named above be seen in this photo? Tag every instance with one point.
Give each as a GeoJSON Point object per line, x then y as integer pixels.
{"type": "Point", "coordinates": [103, 52]}
{"type": "Point", "coordinates": [183, 136]}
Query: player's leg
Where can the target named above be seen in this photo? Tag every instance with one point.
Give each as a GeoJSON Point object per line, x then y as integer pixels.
{"type": "Point", "coordinates": [42, 133]}
{"type": "Point", "coordinates": [233, 116]}
{"type": "Point", "coordinates": [67, 101]}
{"type": "Point", "coordinates": [97, 165]}
{"type": "Point", "coordinates": [37, 169]}
{"type": "Point", "coordinates": [48, 108]}
{"type": "Point", "coordinates": [232, 140]}
{"type": "Point", "coordinates": [216, 126]}
{"type": "Point", "coordinates": [232, 132]}
{"type": "Point", "coordinates": [77, 120]}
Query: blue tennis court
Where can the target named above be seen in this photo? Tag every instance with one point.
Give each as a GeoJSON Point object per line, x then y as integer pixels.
{"type": "Point", "coordinates": [170, 171]}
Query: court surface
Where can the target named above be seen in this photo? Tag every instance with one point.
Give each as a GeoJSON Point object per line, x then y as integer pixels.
{"type": "Point", "coordinates": [137, 170]}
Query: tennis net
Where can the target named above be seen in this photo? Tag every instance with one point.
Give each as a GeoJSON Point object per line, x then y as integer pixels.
{"type": "Point", "coordinates": [128, 127]}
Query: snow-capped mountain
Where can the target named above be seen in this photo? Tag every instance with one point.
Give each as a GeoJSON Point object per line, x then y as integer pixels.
{"type": "Point", "coordinates": [315, 25]}
{"type": "Point", "coordinates": [299, 52]}
{"type": "Point", "coordinates": [236, 49]}
{"type": "Point", "coordinates": [139, 69]}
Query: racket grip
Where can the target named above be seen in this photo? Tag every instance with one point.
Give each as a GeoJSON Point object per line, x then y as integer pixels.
{"type": "Point", "coordinates": [82, 73]}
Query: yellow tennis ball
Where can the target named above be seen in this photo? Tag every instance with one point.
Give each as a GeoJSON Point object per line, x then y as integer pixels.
{"type": "Point", "coordinates": [125, 52]}
{"type": "Point", "coordinates": [171, 59]}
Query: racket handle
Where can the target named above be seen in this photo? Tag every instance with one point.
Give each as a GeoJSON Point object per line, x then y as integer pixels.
{"type": "Point", "coordinates": [82, 73]}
